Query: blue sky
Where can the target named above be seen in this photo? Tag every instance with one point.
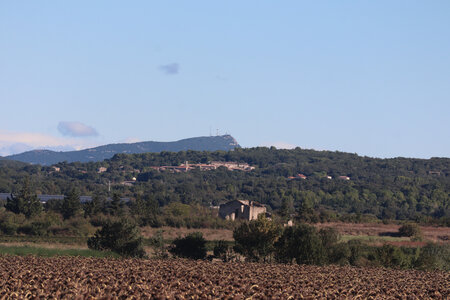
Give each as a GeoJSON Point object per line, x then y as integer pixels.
{"type": "Point", "coordinates": [367, 77]}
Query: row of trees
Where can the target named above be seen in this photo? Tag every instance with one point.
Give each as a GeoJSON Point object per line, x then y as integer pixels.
{"type": "Point", "coordinates": [23, 213]}
{"type": "Point", "coordinates": [263, 240]}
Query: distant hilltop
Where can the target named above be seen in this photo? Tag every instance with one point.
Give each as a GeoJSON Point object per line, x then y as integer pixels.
{"type": "Point", "coordinates": [48, 157]}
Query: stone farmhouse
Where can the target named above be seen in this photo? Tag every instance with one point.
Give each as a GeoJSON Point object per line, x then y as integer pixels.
{"type": "Point", "coordinates": [242, 210]}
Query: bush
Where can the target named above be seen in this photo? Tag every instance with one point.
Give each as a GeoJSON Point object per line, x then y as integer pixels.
{"type": "Point", "coordinates": [158, 245]}
{"type": "Point", "coordinates": [340, 254]}
{"type": "Point", "coordinates": [392, 257]}
{"type": "Point", "coordinates": [39, 228]}
{"type": "Point", "coordinates": [191, 246]}
{"type": "Point", "coordinates": [410, 230]}
{"type": "Point", "coordinates": [329, 236]}
{"type": "Point", "coordinates": [434, 257]}
{"type": "Point", "coordinates": [221, 250]}
{"type": "Point", "coordinates": [255, 239]}
{"type": "Point", "coordinates": [120, 236]}
{"type": "Point", "coordinates": [302, 243]}
{"type": "Point", "coordinates": [8, 228]}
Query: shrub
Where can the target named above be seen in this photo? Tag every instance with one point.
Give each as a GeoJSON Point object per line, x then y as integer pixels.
{"type": "Point", "coordinates": [302, 243]}
{"type": "Point", "coordinates": [191, 246]}
{"type": "Point", "coordinates": [340, 254]}
{"type": "Point", "coordinates": [410, 230]}
{"type": "Point", "coordinates": [434, 257]}
{"type": "Point", "coordinates": [329, 236]}
{"type": "Point", "coordinates": [221, 249]}
{"type": "Point", "coordinates": [8, 228]}
{"type": "Point", "coordinates": [158, 245]}
{"type": "Point", "coordinates": [39, 228]}
{"type": "Point", "coordinates": [120, 236]}
{"type": "Point", "coordinates": [391, 257]}
{"type": "Point", "coordinates": [256, 239]}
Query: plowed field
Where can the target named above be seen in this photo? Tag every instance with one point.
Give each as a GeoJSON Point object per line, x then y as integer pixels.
{"type": "Point", "coordinates": [87, 278]}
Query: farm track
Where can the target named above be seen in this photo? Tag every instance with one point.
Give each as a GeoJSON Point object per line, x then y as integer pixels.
{"type": "Point", "coordinates": [88, 278]}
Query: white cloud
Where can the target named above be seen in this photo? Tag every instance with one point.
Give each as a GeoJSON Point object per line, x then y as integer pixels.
{"type": "Point", "coordinates": [76, 129]}
{"type": "Point", "coordinates": [279, 145]}
{"type": "Point", "coordinates": [18, 142]}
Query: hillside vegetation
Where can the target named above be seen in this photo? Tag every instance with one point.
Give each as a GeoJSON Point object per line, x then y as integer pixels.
{"type": "Point", "coordinates": [48, 157]}
{"type": "Point", "coordinates": [390, 189]}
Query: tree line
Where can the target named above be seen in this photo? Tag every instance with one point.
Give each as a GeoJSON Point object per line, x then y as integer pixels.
{"type": "Point", "coordinates": [388, 189]}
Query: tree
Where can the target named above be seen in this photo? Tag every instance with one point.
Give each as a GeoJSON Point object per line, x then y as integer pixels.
{"type": "Point", "coordinates": [122, 237]}
{"type": "Point", "coordinates": [158, 244]}
{"type": "Point", "coordinates": [255, 239]}
{"type": "Point", "coordinates": [94, 207]}
{"type": "Point", "coordinates": [222, 250]}
{"type": "Point", "coordinates": [287, 207]}
{"type": "Point", "coordinates": [191, 246]}
{"type": "Point", "coordinates": [302, 243]}
{"type": "Point", "coordinates": [116, 205]}
{"type": "Point", "coordinates": [147, 210]}
{"type": "Point", "coordinates": [410, 230]}
{"type": "Point", "coordinates": [25, 202]}
{"type": "Point", "coordinates": [71, 205]}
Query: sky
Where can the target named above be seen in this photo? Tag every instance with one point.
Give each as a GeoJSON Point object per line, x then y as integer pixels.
{"type": "Point", "coordinates": [366, 77]}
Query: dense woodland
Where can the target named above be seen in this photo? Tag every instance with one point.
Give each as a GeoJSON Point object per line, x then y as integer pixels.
{"type": "Point", "coordinates": [385, 189]}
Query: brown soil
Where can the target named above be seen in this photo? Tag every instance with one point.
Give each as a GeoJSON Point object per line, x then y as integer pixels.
{"type": "Point", "coordinates": [33, 277]}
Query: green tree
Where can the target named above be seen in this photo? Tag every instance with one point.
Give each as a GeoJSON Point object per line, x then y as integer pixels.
{"type": "Point", "coordinates": [24, 202]}
{"type": "Point", "coordinates": [433, 257]}
{"type": "Point", "coordinates": [116, 205]}
{"type": "Point", "coordinates": [221, 250]}
{"type": "Point", "coordinates": [191, 246]}
{"type": "Point", "coordinates": [255, 239]}
{"type": "Point", "coordinates": [94, 207]}
{"type": "Point", "coordinates": [302, 243]}
{"type": "Point", "coordinates": [158, 244]}
{"type": "Point", "coordinates": [122, 237]}
{"type": "Point", "coordinates": [71, 205]}
{"type": "Point", "coordinates": [287, 207]}
{"type": "Point", "coordinates": [410, 230]}
{"type": "Point", "coordinates": [391, 256]}
{"type": "Point", "coordinates": [147, 210]}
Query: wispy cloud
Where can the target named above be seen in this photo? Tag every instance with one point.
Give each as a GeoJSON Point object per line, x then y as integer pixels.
{"type": "Point", "coordinates": [17, 142]}
{"type": "Point", "coordinates": [76, 129]}
{"type": "Point", "coordinates": [170, 69]}
{"type": "Point", "coordinates": [279, 145]}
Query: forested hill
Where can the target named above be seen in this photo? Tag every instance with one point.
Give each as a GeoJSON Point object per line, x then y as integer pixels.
{"type": "Point", "coordinates": [47, 157]}
{"type": "Point", "coordinates": [398, 188]}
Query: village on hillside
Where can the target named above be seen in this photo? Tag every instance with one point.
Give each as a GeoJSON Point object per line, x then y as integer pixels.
{"type": "Point", "coordinates": [230, 165]}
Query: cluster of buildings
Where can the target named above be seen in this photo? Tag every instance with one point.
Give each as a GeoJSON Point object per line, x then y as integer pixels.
{"type": "Point", "coordinates": [301, 176]}
{"type": "Point", "coordinates": [186, 167]}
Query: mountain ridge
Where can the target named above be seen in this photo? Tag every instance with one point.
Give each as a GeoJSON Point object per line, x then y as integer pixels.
{"type": "Point", "coordinates": [100, 153]}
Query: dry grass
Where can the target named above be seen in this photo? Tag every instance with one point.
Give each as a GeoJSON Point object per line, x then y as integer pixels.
{"type": "Point", "coordinates": [170, 233]}
{"type": "Point", "coordinates": [430, 233]}
{"type": "Point", "coordinates": [45, 245]}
